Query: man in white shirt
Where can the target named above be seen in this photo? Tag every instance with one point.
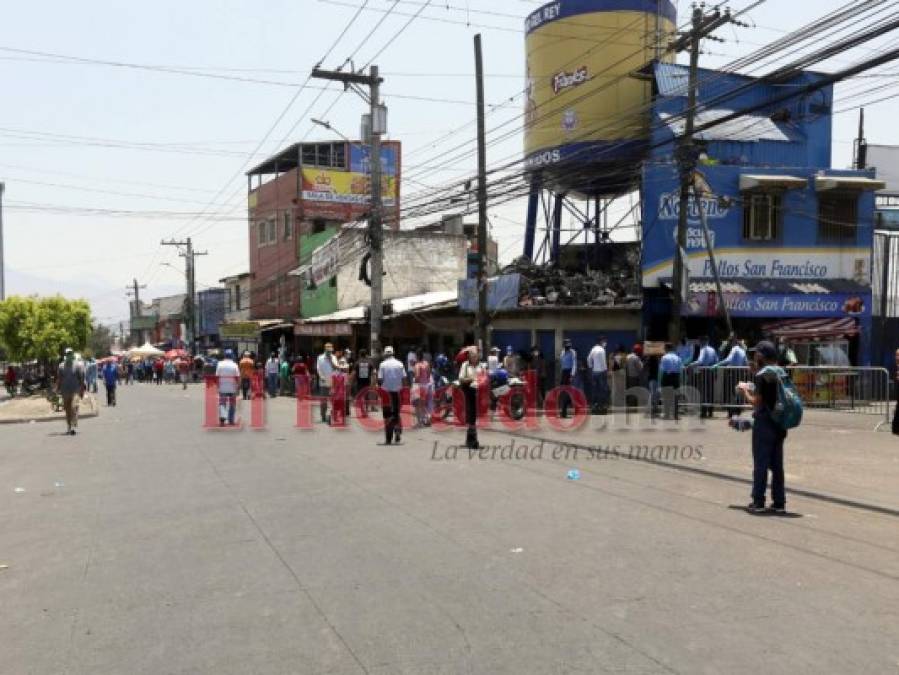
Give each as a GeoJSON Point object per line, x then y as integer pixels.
{"type": "Point", "coordinates": [271, 374]}
{"type": "Point", "coordinates": [392, 377]}
{"type": "Point", "coordinates": [326, 366]}
{"type": "Point", "coordinates": [493, 361]}
{"type": "Point", "coordinates": [228, 375]}
{"type": "Point", "coordinates": [597, 362]}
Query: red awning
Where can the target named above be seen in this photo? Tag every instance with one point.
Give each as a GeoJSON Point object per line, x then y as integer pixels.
{"type": "Point", "coordinates": [813, 329]}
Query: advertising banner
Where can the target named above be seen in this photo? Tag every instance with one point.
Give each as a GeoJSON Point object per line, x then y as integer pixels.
{"type": "Point", "coordinates": [836, 305]}
{"type": "Point", "coordinates": [345, 187]}
{"type": "Point", "coordinates": [502, 293]}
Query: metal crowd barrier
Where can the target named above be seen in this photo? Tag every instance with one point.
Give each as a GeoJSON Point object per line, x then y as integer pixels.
{"type": "Point", "coordinates": [855, 390]}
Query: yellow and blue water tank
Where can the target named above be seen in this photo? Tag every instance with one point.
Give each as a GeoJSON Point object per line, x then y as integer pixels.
{"type": "Point", "coordinates": [585, 104]}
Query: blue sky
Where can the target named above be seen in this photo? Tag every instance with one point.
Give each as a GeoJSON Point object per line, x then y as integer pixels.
{"type": "Point", "coordinates": [187, 140]}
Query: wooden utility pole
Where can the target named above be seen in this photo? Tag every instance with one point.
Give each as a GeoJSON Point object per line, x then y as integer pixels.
{"type": "Point", "coordinates": [190, 309]}
{"type": "Point", "coordinates": [378, 127]}
{"type": "Point", "coordinates": [134, 292]}
{"type": "Point", "coordinates": [688, 154]}
{"type": "Point", "coordinates": [482, 280]}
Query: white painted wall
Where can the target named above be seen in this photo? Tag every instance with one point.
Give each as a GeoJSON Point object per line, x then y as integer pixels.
{"type": "Point", "coordinates": [415, 263]}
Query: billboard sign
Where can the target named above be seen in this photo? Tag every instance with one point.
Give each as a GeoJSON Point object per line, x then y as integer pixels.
{"type": "Point", "coordinates": [345, 194]}
{"type": "Point", "coordinates": [345, 187]}
{"type": "Point", "coordinates": [746, 305]}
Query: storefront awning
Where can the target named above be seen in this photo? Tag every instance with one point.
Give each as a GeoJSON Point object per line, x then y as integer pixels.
{"type": "Point", "coordinates": [826, 183]}
{"type": "Point", "coordinates": [812, 329]}
{"type": "Point", "coordinates": [750, 182]}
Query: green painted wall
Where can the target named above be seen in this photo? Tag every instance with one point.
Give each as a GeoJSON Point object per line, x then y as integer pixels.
{"type": "Point", "coordinates": [322, 300]}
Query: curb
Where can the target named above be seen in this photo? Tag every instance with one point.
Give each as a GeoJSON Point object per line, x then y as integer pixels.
{"type": "Point", "coordinates": [28, 420]}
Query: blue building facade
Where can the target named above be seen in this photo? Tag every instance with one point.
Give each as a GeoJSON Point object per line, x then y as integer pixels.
{"type": "Point", "coordinates": [792, 237]}
{"type": "Point", "coordinates": [211, 306]}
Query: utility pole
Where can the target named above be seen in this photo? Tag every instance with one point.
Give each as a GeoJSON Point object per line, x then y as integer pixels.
{"type": "Point", "coordinates": [861, 144]}
{"type": "Point", "coordinates": [377, 126]}
{"type": "Point", "coordinates": [2, 263]}
{"type": "Point", "coordinates": [703, 25]}
{"type": "Point", "coordinates": [189, 256]}
{"type": "Point", "coordinates": [134, 291]}
{"type": "Point", "coordinates": [483, 319]}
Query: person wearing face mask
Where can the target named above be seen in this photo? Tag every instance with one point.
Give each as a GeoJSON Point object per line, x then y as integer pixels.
{"type": "Point", "coordinates": [326, 367]}
{"type": "Point", "coordinates": [597, 362]}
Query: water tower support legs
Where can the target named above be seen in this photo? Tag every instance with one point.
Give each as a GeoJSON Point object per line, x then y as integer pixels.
{"type": "Point", "coordinates": [557, 227]}
{"type": "Point", "coordinates": [530, 231]}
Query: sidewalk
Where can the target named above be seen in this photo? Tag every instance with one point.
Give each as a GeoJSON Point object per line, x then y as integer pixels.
{"type": "Point", "coordinates": [38, 409]}
{"type": "Point", "coordinates": [832, 456]}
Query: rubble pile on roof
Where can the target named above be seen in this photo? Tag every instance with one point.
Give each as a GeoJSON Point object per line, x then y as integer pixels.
{"type": "Point", "coordinates": [550, 285]}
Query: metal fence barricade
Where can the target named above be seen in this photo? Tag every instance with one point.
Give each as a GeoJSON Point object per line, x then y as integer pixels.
{"type": "Point", "coordinates": [849, 389]}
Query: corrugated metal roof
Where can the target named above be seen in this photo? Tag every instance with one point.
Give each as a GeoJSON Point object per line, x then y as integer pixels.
{"type": "Point", "coordinates": [672, 79]}
{"type": "Point", "coordinates": [744, 128]}
{"type": "Point", "coordinates": [412, 303]}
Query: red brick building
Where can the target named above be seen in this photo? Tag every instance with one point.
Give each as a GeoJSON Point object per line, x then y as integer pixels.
{"type": "Point", "coordinates": [302, 190]}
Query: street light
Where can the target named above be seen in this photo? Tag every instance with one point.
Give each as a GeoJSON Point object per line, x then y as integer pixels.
{"type": "Point", "coordinates": [327, 125]}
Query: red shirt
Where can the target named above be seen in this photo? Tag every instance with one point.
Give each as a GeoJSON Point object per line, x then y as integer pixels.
{"type": "Point", "coordinates": [300, 368]}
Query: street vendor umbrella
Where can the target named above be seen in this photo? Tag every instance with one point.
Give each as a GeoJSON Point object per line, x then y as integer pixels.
{"type": "Point", "coordinates": [175, 354]}
{"type": "Point", "coordinates": [108, 359]}
{"type": "Point", "coordinates": [146, 351]}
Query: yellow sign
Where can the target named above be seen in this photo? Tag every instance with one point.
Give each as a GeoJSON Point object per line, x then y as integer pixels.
{"type": "Point", "coordinates": [239, 329]}
{"type": "Point", "coordinates": [579, 66]}
{"type": "Point", "coordinates": [345, 187]}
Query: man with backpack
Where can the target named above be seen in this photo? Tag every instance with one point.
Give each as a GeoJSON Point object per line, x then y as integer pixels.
{"type": "Point", "coordinates": [777, 408]}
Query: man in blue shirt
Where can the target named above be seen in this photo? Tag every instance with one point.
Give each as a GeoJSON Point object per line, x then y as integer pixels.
{"type": "Point", "coordinates": [670, 368]}
{"type": "Point", "coordinates": [736, 358]}
{"type": "Point", "coordinates": [685, 352]}
{"type": "Point", "coordinates": [707, 358]}
{"type": "Point", "coordinates": [568, 364]}
{"type": "Point", "coordinates": [111, 380]}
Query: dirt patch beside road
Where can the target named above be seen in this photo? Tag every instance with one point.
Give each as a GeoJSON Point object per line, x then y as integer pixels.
{"type": "Point", "coordinates": [39, 409]}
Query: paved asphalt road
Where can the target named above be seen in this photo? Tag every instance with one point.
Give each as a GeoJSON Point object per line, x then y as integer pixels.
{"type": "Point", "coordinates": [148, 545]}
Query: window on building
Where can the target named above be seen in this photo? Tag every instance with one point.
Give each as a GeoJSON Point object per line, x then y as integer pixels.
{"type": "Point", "coordinates": [323, 153]}
{"type": "Point", "coordinates": [762, 216]}
{"type": "Point", "coordinates": [262, 232]}
{"type": "Point", "coordinates": [837, 217]}
{"type": "Point", "coordinates": [272, 231]}
{"type": "Point", "coordinates": [288, 229]}
{"type": "Point", "coordinates": [237, 298]}
{"type": "Point", "coordinates": [338, 156]}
